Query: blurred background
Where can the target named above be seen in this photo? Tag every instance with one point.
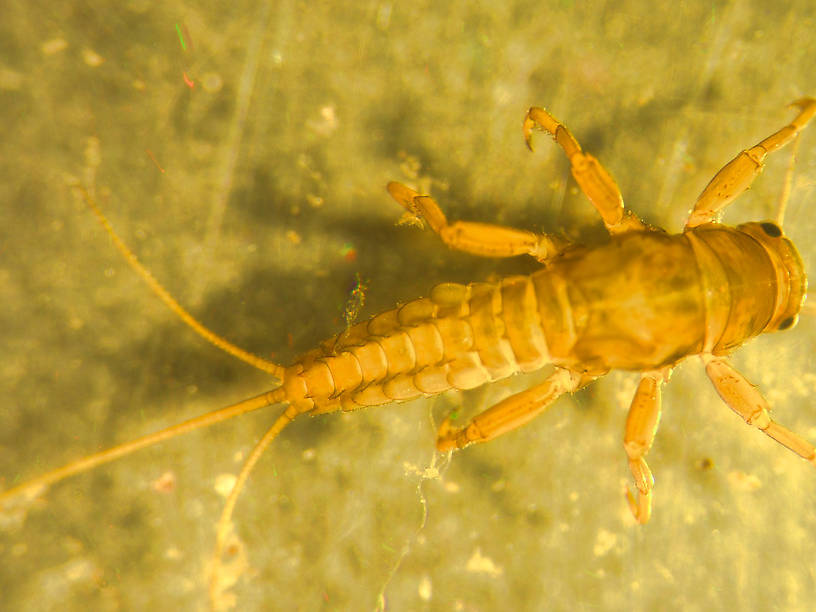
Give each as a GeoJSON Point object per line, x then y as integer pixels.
{"type": "Point", "coordinates": [242, 150]}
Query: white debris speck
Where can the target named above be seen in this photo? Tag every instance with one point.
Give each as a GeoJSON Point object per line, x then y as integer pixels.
{"type": "Point", "coordinates": [53, 46]}
{"type": "Point", "coordinates": [479, 564]}
{"type": "Point", "coordinates": [604, 542]}
{"type": "Point", "coordinates": [425, 588]}
{"type": "Point", "coordinates": [744, 482]}
{"type": "Point", "coordinates": [224, 484]}
{"type": "Point", "coordinates": [92, 58]}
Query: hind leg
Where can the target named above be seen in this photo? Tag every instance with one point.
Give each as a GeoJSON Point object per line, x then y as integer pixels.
{"type": "Point", "coordinates": [511, 413]}
{"type": "Point", "coordinates": [482, 239]}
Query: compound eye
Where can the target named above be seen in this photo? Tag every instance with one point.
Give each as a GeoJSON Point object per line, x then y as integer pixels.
{"type": "Point", "coordinates": [771, 229]}
{"type": "Point", "coordinates": [787, 323]}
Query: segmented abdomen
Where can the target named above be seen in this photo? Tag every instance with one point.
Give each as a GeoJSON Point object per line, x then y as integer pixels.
{"type": "Point", "coordinates": [460, 337]}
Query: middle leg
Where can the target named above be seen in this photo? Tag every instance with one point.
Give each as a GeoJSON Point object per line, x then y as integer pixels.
{"type": "Point", "coordinates": [593, 179]}
{"type": "Point", "coordinates": [738, 174]}
{"type": "Point", "coordinates": [641, 427]}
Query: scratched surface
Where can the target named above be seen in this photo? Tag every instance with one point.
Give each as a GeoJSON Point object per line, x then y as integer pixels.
{"type": "Point", "coordinates": [255, 192]}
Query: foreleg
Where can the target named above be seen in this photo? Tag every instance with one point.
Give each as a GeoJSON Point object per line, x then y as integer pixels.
{"type": "Point", "coordinates": [744, 399]}
{"type": "Point", "coordinates": [738, 174]}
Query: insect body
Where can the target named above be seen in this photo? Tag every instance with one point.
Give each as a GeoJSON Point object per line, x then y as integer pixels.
{"type": "Point", "coordinates": [643, 301]}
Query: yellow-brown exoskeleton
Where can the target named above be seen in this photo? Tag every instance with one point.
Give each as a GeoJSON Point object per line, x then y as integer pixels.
{"type": "Point", "coordinates": [644, 301]}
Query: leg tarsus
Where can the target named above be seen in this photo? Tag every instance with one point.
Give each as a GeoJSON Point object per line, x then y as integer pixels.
{"type": "Point", "coordinates": [640, 505]}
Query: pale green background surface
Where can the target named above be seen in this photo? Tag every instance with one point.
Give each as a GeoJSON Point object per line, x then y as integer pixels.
{"type": "Point", "coordinates": [533, 521]}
